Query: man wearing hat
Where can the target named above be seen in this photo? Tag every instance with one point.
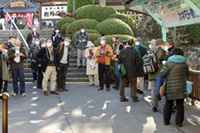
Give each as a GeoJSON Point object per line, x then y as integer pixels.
{"type": "Point", "coordinates": [2, 18]}
{"type": "Point", "coordinates": [63, 51]}
{"type": "Point", "coordinates": [140, 75]}
{"type": "Point", "coordinates": [160, 56]}
{"type": "Point", "coordinates": [81, 40]}
{"type": "Point", "coordinates": [92, 66]}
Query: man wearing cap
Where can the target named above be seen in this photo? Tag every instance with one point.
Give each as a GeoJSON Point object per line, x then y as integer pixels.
{"type": "Point", "coordinates": [140, 75]}
{"type": "Point", "coordinates": [103, 55]}
{"type": "Point", "coordinates": [63, 51]}
{"type": "Point", "coordinates": [2, 18]}
{"type": "Point", "coordinates": [81, 40]}
{"type": "Point", "coordinates": [117, 47]}
{"type": "Point", "coordinates": [160, 56]}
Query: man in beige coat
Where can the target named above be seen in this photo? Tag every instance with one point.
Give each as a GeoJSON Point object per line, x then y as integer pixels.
{"type": "Point", "coordinates": [92, 67]}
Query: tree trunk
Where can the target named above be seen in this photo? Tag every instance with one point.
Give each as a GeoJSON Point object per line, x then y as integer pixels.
{"type": "Point", "coordinates": [102, 2]}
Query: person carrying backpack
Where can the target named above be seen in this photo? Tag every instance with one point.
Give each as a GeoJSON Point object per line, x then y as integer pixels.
{"type": "Point", "coordinates": [2, 18]}
{"type": "Point", "coordinates": [158, 55]}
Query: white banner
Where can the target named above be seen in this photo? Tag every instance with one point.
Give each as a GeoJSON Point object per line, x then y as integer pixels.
{"type": "Point", "coordinates": [173, 15]}
{"type": "Point", "coordinates": [48, 12]}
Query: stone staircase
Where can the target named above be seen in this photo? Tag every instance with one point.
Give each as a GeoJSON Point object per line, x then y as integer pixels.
{"type": "Point", "coordinates": [73, 74]}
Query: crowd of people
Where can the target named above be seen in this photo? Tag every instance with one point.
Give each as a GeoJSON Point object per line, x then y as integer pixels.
{"type": "Point", "coordinates": [50, 60]}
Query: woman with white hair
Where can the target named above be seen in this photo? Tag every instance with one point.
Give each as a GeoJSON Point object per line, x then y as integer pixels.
{"type": "Point", "coordinates": [92, 67]}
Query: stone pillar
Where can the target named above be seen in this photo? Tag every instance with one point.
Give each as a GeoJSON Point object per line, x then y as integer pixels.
{"type": "Point", "coordinates": [102, 2]}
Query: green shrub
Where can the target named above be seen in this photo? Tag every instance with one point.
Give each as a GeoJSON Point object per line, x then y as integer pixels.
{"type": "Point", "coordinates": [109, 39]}
{"type": "Point", "coordinates": [64, 28]}
{"type": "Point", "coordinates": [93, 37]}
{"type": "Point", "coordinates": [75, 26]}
{"type": "Point", "coordinates": [112, 26]}
{"type": "Point", "coordinates": [96, 12]}
{"type": "Point", "coordinates": [78, 4]}
{"type": "Point", "coordinates": [61, 22]}
{"type": "Point", "coordinates": [130, 21]}
{"type": "Point", "coordinates": [89, 31]}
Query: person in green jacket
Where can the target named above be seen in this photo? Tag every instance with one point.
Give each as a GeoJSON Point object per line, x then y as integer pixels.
{"type": "Point", "coordinates": [160, 56]}
{"type": "Point", "coordinates": [4, 76]}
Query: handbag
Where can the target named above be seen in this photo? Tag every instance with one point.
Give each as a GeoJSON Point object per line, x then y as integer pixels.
{"type": "Point", "coordinates": [34, 65]}
{"type": "Point", "coordinates": [121, 69]}
{"type": "Point", "coordinates": [163, 88]}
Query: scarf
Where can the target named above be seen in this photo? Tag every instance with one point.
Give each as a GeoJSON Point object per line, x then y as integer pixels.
{"type": "Point", "coordinates": [51, 53]}
{"type": "Point", "coordinates": [137, 47]}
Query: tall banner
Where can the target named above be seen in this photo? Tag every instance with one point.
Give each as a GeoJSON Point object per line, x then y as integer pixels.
{"type": "Point", "coordinates": [173, 15]}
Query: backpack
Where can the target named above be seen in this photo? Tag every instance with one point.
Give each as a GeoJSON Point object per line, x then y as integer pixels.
{"type": "Point", "coordinates": [121, 68]}
{"type": "Point", "coordinates": [150, 64]}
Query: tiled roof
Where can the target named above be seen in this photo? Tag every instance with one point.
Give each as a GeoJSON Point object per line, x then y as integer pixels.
{"type": "Point", "coordinates": [19, 9]}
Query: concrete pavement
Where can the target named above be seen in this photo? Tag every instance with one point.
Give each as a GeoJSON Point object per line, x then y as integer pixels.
{"type": "Point", "coordinates": [83, 109]}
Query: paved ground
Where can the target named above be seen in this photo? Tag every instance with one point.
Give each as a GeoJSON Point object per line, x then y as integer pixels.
{"type": "Point", "coordinates": [83, 109]}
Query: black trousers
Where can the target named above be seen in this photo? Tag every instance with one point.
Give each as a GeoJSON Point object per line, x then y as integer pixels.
{"type": "Point", "coordinates": [40, 78]}
{"type": "Point", "coordinates": [61, 77]}
{"type": "Point", "coordinates": [102, 68]}
{"type": "Point", "coordinates": [168, 110]}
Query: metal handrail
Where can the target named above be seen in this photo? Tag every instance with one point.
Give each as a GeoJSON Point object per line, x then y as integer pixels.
{"type": "Point", "coordinates": [4, 97]}
{"type": "Point", "coordinates": [18, 30]}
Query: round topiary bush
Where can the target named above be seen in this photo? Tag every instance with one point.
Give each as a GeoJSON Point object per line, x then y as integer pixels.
{"type": "Point", "coordinates": [96, 12]}
{"type": "Point", "coordinates": [109, 39]}
{"type": "Point", "coordinates": [130, 21]}
{"type": "Point", "coordinates": [89, 31]}
{"type": "Point", "coordinates": [75, 26]}
{"type": "Point", "coordinates": [61, 22]}
{"type": "Point", "coordinates": [113, 26]}
{"type": "Point", "coordinates": [64, 28]}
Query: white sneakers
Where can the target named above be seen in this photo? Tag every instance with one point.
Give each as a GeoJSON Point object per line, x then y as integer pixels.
{"type": "Point", "coordinates": [15, 94]}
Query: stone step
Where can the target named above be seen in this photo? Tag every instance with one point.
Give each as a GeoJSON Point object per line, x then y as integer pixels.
{"type": "Point", "coordinates": [71, 65]}
{"type": "Point", "coordinates": [71, 60]}
{"type": "Point", "coordinates": [68, 79]}
{"type": "Point", "coordinates": [75, 70]}
{"type": "Point", "coordinates": [69, 74]}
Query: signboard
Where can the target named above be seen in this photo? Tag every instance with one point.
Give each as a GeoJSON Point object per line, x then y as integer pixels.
{"type": "Point", "coordinates": [48, 12]}
{"type": "Point", "coordinates": [17, 4]}
{"type": "Point", "coordinates": [173, 15]}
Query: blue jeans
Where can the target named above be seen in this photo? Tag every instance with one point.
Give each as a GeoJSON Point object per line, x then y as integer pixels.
{"type": "Point", "coordinates": [159, 82]}
{"type": "Point", "coordinates": [116, 74]}
{"type": "Point", "coordinates": [18, 73]}
{"type": "Point", "coordinates": [34, 72]}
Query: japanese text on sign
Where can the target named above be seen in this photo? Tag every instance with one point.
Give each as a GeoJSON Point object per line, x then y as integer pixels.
{"type": "Point", "coordinates": [48, 12]}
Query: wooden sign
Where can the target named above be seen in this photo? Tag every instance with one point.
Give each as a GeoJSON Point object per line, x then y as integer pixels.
{"type": "Point", "coordinates": [17, 4]}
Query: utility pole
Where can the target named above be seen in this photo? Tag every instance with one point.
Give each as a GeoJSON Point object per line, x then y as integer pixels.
{"type": "Point", "coordinates": [73, 8]}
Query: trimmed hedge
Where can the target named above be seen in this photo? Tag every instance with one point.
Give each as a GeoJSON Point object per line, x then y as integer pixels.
{"type": "Point", "coordinates": [64, 28]}
{"type": "Point", "coordinates": [78, 3]}
{"type": "Point", "coordinates": [96, 12]}
{"type": "Point", "coordinates": [61, 22]}
{"type": "Point", "coordinates": [112, 26]}
{"type": "Point", "coordinates": [89, 31]}
{"type": "Point", "coordinates": [130, 21]}
{"type": "Point", "coordinates": [75, 26]}
{"type": "Point", "coordinates": [109, 39]}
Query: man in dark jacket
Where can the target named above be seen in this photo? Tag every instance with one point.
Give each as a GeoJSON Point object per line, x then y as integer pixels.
{"type": "Point", "coordinates": [140, 79]}
{"type": "Point", "coordinates": [2, 18]}
{"type": "Point", "coordinates": [130, 58]}
{"type": "Point", "coordinates": [35, 51]}
{"type": "Point", "coordinates": [16, 56]}
{"type": "Point", "coordinates": [81, 39]}
{"type": "Point", "coordinates": [49, 65]}
{"type": "Point", "coordinates": [63, 51]}
{"type": "Point", "coordinates": [30, 39]}
{"type": "Point", "coordinates": [56, 37]}
{"type": "Point", "coordinates": [117, 47]}
{"type": "Point", "coordinates": [170, 46]}
{"type": "Point", "coordinates": [33, 58]}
